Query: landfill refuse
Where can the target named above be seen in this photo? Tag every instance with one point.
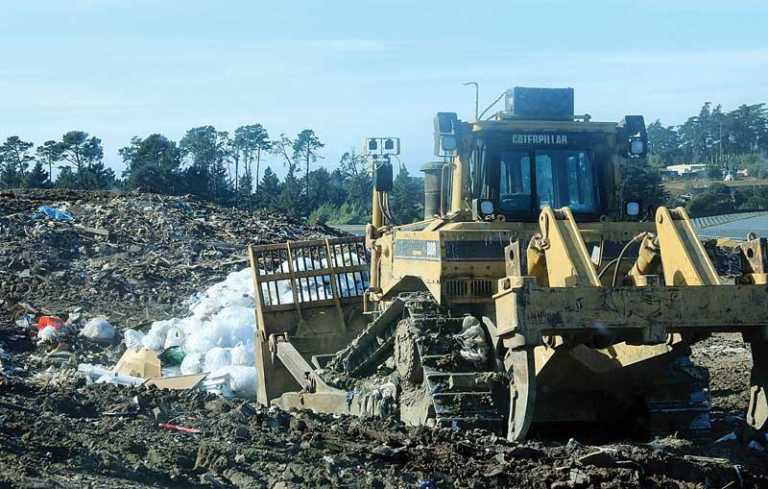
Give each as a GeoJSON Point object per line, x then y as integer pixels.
{"type": "Point", "coordinates": [178, 382]}
{"type": "Point", "coordinates": [99, 374]}
{"type": "Point", "coordinates": [182, 429]}
{"type": "Point", "coordinates": [132, 338]}
{"type": "Point", "coordinates": [139, 362]}
{"type": "Point", "coordinates": [49, 321]}
{"type": "Point", "coordinates": [216, 336]}
{"type": "Point", "coordinates": [53, 214]}
{"type": "Point", "coordinates": [98, 329]}
{"type": "Point", "coordinates": [47, 334]}
{"type": "Point", "coordinates": [172, 356]}
{"type": "Point", "coordinates": [132, 257]}
{"type": "Point", "coordinates": [160, 252]}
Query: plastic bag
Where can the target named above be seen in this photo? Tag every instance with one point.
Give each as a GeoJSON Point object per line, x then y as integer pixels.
{"type": "Point", "coordinates": [98, 329]}
{"type": "Point", "coordinates": [192, 363]}
{"type": "Point", "coordinates": [53, 214]}
{"type": "Point", "coordinates": [172, 357]}
{"type": "Point", "coordinates": [174, 337]}
{"type": "Point", "coordinates": [217, 358]}
{"type": "Point", "coordinates": [132, 338]}
{"type": "Point", "coordinates": [48, 333]}
{"type": "Point", "coordinates": [155, 339]}
{"type": "Point", "coordinates": [233, 380]}
{"type": "Point", "coordinates": [243, 381]}
{"type": "Point", "coordinates": [244, 355]}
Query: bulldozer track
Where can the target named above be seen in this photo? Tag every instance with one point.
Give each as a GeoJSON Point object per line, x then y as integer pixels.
{"type": "Point", "coordinates": [458, 393]}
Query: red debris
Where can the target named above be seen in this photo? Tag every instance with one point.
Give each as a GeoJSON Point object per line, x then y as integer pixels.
{"type": "Point", "coordinates": [175, 427]}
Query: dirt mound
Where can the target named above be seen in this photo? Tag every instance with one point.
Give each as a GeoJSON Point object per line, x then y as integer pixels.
{"type": "Point", "coordinates": [132, 257]}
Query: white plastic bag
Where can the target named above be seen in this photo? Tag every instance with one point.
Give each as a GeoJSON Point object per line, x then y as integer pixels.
{"type": "Point", "coordinates": [155, 338]}
{"type": "Point", "coordinates": [233, 380]}
{"type": "Point", "coordinates": [98, 329]}
{"type": "Point", "coordinates": [175, 337]}
{"type": "Point", "coordinates": [49, 333]}
{"type": "Point", "coordinates": [217, 358]}
{"type": "Point", "coordinates": [244, 355]}
{"type": "Point", "coordinates": [132, 338]}
{"type": "Point", "coordinates": [243, 381]}
{"type": "Point", "coordinates": [192, 363]}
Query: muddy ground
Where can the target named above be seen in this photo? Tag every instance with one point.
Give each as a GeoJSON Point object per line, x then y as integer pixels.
{"type": "Point", "coordinates": [56, 431]}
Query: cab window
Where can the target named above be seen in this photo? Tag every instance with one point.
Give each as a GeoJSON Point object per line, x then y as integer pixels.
{"type": "Point", "coordinates": [515, 181]}
{"type": "Point", "coordinates": [565, 178]}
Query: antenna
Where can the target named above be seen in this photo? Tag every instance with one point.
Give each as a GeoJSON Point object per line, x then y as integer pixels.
{"type": "Point", "coordinates": [477, 97]}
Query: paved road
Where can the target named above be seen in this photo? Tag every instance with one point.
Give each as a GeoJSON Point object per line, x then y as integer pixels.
{"type": "Point", "coordinates": [737, 228]}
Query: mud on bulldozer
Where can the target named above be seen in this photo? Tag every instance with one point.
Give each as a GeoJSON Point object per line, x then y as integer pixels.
{"type": "Point", "coordinates": [539, 290]}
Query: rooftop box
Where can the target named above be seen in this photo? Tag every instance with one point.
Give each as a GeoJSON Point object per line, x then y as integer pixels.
{"type": "Point", "coordinates": [543, 104]}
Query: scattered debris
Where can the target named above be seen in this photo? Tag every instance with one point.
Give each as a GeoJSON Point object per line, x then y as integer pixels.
{"type": "Point", "coordinates": [182, 429]}
{"type": "Point", "coordinates": [729, 437]}
{"type": "Point", "coordinates": [132, 257]}
{"type": "Point", "coordinates": [53, 214]}
{"type": "Point", "coordinates": [49, 322]}
{"type": "Point", "coordinates": [139, 362]}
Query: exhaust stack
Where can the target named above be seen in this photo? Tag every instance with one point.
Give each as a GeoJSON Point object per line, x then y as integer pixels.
{"type": "Point", "coordinates": [433, 172]}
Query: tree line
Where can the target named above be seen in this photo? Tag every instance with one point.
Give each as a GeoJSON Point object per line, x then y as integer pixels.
{"type": "Point", "coordinates": [215, 165]}
{"type": "Point", "coordinates": [724, 141]}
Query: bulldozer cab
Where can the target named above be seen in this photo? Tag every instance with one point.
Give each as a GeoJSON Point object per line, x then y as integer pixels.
{"type": "Point", "coordinates": [532, 156]}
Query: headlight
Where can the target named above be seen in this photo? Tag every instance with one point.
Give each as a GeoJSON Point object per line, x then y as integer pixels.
{"type": "Point", "coordinates": [633, 209]}
{"type": "Point", "coordinates": [636, 147]}
{"type": "Point", "coordinates": [486, 207]}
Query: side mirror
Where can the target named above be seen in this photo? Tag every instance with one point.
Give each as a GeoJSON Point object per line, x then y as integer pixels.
{"type": "Point", "coordinates": [632, 130]}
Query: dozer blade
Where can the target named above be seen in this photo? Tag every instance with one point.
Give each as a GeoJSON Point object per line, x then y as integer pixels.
{"type": "Point", "coordinates": [308, 293]}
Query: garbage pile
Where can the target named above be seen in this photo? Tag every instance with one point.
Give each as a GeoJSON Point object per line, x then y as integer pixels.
{"type": "Point", "coordinates": [85, 267]}
{"type": "Point", "coordinates": [216, 339]}
{"type": "Point", "coordinates": [130, 257]}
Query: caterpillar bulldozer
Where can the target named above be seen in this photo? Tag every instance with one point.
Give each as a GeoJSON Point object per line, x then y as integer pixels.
{"type": "Point", "coordinates": [540, 291]}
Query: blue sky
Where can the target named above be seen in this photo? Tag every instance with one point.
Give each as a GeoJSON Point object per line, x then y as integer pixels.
{"type": "Point", "coordinates": [350, 69]}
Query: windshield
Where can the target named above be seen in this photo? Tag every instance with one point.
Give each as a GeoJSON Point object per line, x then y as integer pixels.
{"type": "Point", "coordinates": [562, 178]}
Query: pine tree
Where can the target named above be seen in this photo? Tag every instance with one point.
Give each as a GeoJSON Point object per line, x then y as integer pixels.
{"type": "Point", "coordinates": [14, 162]}
{"type": "Point", "coordinates": [67, 178]}
{"type": "Point", "coordinates": [37, 177]}
{"type": "Point", "coordinates": [152, 164]}
{"type": "Point", "coordinates": [291, 200]}
{"type": "Point", "coordinates": [406, 201]}
{"type": "Point", "coordinates": [269, 191]}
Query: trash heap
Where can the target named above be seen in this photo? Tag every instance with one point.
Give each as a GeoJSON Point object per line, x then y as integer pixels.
{"type": "Point", "coordinates": [216, 338]}
{"type": "Point", "coordinates": [85, 273]}
{"type": "Point", "coordinates": [130, 257]}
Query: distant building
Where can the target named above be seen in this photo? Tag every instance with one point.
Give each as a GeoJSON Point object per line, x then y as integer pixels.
{"type": "Point", "coordinates": [684, 171]}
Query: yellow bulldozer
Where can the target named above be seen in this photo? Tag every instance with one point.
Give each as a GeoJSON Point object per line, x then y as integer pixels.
{"type": "Point", "coordinates": [539, 291]}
